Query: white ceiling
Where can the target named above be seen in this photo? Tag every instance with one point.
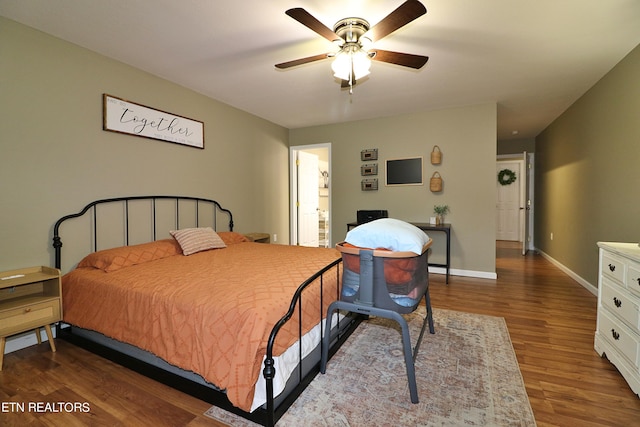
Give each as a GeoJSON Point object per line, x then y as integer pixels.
{"type": "Point", "coordinates": [532, 58]}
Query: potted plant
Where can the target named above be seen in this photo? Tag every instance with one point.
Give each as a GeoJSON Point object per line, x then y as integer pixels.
{"type": "Point", "coordinates": [440, 211]}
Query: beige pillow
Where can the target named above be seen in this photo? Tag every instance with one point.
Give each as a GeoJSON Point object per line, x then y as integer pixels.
{"type": "Point", "coordinates": [194, 240]}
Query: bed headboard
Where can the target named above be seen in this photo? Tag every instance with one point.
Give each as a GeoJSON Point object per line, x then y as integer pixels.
{"type": "Point", "coordinates": [124, 221]}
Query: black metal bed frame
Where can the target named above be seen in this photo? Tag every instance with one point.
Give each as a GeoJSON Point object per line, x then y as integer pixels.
{"type": "Point", "coordinates": [265, 416]}
{"type": "Point", "coordinates": [57, 241]}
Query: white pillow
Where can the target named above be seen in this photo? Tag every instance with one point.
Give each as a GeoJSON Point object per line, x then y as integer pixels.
{"type": "Point", "coordinates": [194, 240]}
{"type": "Point", "coordinates": [388, 233]}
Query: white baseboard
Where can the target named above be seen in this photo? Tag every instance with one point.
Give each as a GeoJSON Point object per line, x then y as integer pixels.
{"type": "Point", "coordinates": [585, 284]}
{"type": "Point", "coordinates": [493, 275]}
{"type": "Point", "coordinates": [465, 273]}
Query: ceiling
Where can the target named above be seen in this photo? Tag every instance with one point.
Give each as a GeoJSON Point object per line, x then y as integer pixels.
{"type": "Point", "coordinates": [532, 58]}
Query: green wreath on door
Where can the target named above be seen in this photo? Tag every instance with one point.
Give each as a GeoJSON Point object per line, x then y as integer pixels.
{"type": "Point", "coordinates": [506, 177]}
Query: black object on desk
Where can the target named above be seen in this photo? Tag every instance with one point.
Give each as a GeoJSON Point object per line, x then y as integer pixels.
{"type": "Point", "coordinates": [425, 226]}
{"type": "Point", "coordinates": [368, 216]}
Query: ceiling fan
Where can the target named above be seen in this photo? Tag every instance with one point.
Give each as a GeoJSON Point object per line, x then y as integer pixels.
{"type": "Point", "coordinates": [354, 37]}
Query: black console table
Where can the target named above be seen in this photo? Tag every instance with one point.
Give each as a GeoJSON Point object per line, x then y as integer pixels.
{"type": "Point", "coordinates": [425, 226]}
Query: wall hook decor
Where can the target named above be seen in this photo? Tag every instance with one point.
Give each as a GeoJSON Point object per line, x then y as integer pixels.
{"type": "Point", "coordinates": [436, 155]}
{"type": "Point", "coordinates": [435, 184]}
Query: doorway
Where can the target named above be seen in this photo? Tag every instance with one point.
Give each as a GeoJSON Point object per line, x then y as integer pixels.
{"type": "Point", "coordinates": [514, 209]}
{"type": "Point", "coordinates": [310, 189]}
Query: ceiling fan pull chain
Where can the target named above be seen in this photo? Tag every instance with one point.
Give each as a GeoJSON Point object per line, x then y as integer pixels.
{"type": "Point", "coordinates": [351, 75]}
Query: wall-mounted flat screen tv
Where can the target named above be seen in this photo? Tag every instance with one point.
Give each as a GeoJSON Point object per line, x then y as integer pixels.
{"type": "Point", "coordinates": [404, 171]}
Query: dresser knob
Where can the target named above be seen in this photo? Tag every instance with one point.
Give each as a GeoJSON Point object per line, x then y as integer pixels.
{"type": "Point", "coordinates": [612, 267]}
{"type": "Point", "coordinates": [616, 335]}
{"type": "Point", "coordinates": [617, 302]}
{"type": "Point", "coordinates": [27, 310]}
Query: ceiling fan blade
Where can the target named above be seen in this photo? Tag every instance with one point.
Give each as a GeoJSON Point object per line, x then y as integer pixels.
{"type": "Point", "coordinates": [405, 13]}
{"type": "Point", "coordinates": [399, 58]}
{"type": "Point", "coordinates": [301, 61]}
{"type": "Point", "coordinates": [306, 19]}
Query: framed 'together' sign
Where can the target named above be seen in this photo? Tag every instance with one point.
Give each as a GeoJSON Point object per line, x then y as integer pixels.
{"type": "Point", "coordinates": [130, 118]}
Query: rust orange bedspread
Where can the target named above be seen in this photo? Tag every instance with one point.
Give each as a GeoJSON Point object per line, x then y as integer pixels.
{"type": "Point", "coordinates": [210, 313]}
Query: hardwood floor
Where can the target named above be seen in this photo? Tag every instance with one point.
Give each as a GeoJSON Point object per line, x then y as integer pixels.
{"type": "Point", "coordinates": [551, 320]}
{"type": "Point", "coordinates": [115, 395]}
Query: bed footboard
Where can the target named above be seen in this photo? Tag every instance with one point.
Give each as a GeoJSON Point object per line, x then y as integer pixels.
{"type": "Point", "coordinates": [303, 378]}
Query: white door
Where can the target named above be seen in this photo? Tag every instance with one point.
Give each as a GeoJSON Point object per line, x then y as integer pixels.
{"type": "Point", "coordinates": [308, 199]}
{"type": "Point", "coordinates": [508, 223]}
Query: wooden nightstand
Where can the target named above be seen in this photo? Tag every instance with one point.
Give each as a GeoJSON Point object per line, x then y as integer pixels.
{"type": "Point", "coordinates": [259, 237]}
{"type": "Point", "coordinates": [30, 298]}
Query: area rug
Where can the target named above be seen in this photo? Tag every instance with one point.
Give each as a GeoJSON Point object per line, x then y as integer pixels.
{"type": "Point", "coordinates": [467, 375]}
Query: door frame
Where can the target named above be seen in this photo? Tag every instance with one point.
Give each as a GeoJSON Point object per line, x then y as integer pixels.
{"type": "Point", "coordinates": [293, 185]}
{"type": "Point", "coordinates": [528, 184]}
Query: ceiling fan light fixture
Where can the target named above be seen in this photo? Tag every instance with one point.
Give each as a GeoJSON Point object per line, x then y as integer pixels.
{"type": "Point", "coordinates": [361, 64]}
{"type": "Point", "coordinates": [351, 59]}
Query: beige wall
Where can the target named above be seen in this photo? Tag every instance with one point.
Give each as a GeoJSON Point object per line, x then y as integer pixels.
{"type": "Point", "coordinates": [517, 146]}
{"type": "Point", "coordinates": [56, 157]}
{"type": "Point", "coordinates": [467, 137]}
{"type": "Point", "coordinates": [588, 174]}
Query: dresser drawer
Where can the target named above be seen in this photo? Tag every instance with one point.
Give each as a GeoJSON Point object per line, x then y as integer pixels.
{"type": "Point", "coordinates": [620, 337]}
{"type": "Point", "coordinates": [620, 303]}
{"type": "Point", "coordinates": [613, 267]}
{"type": "Point", "coordinates": [29, 316]}
{"type": "Point", "coordinates": [633, 277]}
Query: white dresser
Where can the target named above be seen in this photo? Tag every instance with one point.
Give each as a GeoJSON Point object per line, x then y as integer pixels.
{"type": "Point", "coordinates": [618, 328]}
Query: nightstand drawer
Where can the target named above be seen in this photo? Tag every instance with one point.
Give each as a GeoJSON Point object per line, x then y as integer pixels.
{"type": "Point", "coordinates": [613, 267]}
{"type": "Point", "coordinates": [30, 316]}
